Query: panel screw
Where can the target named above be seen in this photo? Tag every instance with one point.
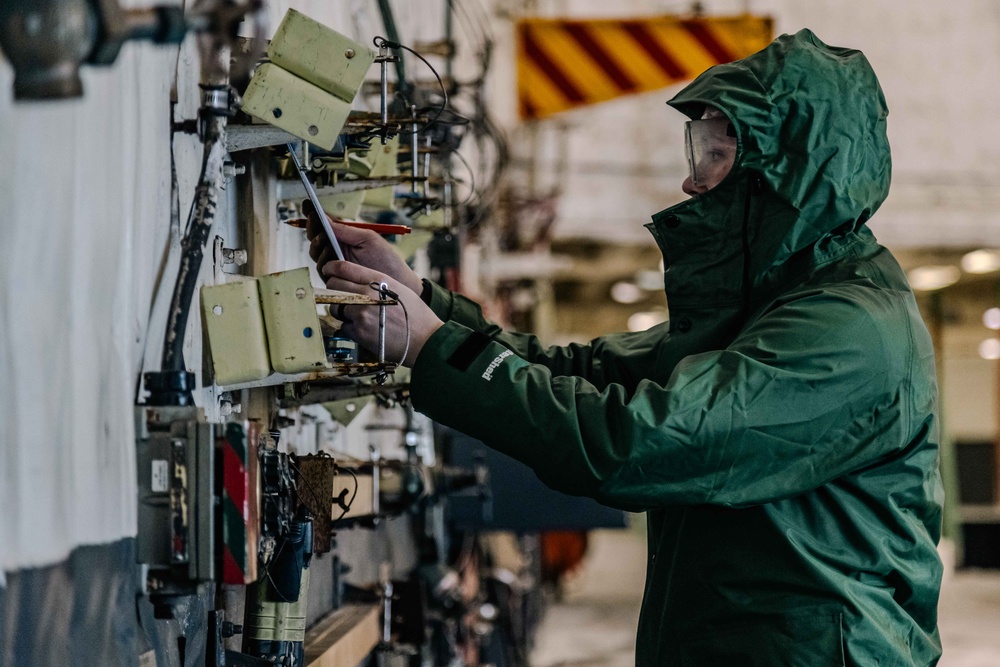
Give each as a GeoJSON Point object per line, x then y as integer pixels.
{"type": "Point", "coordinates": [276, 112]}
{"type": "Point", "coordinates": [349, 53]}
{"type": "Point", "coordinates": [313, 130]}
{"type": "Point", "coordinates": [231, 170]}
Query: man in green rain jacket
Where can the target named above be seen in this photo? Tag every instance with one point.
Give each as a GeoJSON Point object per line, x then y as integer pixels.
{"type": "Point", "coordinates": [779, 431]}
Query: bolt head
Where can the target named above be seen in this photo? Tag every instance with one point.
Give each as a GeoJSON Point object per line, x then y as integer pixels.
{"type": "Point", "coordinates": [349, 53]}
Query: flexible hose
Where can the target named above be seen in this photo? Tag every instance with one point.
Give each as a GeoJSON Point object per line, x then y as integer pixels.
{"type": "Point", "coordinates": [199, 226]}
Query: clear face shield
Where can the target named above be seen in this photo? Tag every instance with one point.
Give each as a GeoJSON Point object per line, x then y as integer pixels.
{"type": "Point", "coordinates": [711, 150]}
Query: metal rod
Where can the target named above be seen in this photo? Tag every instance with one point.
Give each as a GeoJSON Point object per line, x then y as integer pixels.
{"type": "Point", "coordinates": [447, 201]}
{"type": "Point", "coordinates": [427, 172]}
{"type": "Point", "coordinates": [383, 51]}
{"type": "Point", "coordinates": [383, 288]}
{"type": "Point", "coordinates": [320, 213]}
{"type": "Point", "coordinates": [387, 614]}
{"type": "Point", "coordinates": [415, 147]}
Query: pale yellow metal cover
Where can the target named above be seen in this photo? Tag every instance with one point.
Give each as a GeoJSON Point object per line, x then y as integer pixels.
{"type": "Point", "coordinates": [232, 316]}
{"type": "Point", "coordinates": [383, 160]}
{"type": "Point", "coordinates": [293, 332]}
{"type": "Point", "coordinates": [295, 105]}
{"type": "Point", "coordinates": [310, 83]}
{"type": "Point", "coordinates": [346, 205]}
{"type": "Point", "coordinates": [320, 55]}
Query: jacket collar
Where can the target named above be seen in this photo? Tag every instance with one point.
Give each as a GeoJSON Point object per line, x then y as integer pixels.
{"type": "Point", "coordinates": [702, 246]}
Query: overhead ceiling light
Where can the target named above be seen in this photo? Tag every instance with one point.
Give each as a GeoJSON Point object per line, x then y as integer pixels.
{"type": "Point", "coordinates": [981, 261]}
{"type": "Point", "coordinates": [928, 278]}
{"type": "Point", "coordinates": [990, 348]}
{"type": "Point", "coordinates": [991, 318]}
{"type": "Point", "coordinates": [626, 292]}
{"type": "Point", "coordinates": [646, 319]}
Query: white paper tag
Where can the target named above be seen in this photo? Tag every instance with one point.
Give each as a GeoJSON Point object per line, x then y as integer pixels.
{"type": "Point", "coordinates": [160, 478]}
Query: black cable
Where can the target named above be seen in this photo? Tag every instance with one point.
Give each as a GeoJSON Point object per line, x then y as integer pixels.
{"type": "Point", "coordinates": [347, 508]}
{"type": "Point", "coordinates": [473, 25]}
{"type": "Point", "coordinates": [267, 572]}
{"type": "Point", "coordinates": [203, 210]}
{"type": "Point", "coordinates": [459, 118]}
{"type": "Point", "coordinates": [472, 180]}
{"type": "Point", "coordinates": [380, 41]}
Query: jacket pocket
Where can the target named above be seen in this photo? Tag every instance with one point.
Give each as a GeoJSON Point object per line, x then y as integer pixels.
{"type": "Point", "coordinates": [802, 640]}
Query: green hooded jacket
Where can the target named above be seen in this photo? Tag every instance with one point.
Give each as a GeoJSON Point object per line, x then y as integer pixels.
{"type": "Point", "coordinates": [780, 430]}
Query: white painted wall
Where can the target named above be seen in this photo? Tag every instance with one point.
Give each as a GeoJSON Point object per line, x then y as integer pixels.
{"type": "Point", "coordinates": [84, 191]}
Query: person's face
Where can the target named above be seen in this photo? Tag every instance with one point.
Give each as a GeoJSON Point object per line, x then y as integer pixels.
{"type": "Point", "coordinates": [711, 151]}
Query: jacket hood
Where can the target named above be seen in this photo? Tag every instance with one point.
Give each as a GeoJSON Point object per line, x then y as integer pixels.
{"type": "Point", "coordinates": [812, 165]}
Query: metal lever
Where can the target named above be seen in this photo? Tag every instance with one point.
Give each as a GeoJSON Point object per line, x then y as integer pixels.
{"type": "Point", "coordinates": [320, 213]}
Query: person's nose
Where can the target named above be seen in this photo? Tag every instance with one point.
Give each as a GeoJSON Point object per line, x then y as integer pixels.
{"type": "Point", "coordinates": [690, 189]}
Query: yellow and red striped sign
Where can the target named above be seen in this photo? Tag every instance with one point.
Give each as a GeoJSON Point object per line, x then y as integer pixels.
{"type": "Point", "coordinates": [563, 64]}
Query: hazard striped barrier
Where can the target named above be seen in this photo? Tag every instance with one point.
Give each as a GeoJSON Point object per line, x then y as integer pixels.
{"type": "Point", "coordinates": [564, 64]}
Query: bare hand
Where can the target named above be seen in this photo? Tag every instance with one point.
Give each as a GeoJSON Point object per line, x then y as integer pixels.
{"type": "Point", "coordinates": [361, 322]}
{"type": "Point", "coordinates": [361, 246]}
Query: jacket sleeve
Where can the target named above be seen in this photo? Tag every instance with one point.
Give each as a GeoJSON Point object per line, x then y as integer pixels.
{"type": "Point", "coordinates": [619, 358]}
{"type": "Point", "coordinates": [808, 393]}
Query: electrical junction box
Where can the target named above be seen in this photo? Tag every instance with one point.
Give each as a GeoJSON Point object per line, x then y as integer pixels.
{"type": "Point", "coordinates": [175, 461]}
{"type": "Point", "coordinates": [294, 338]}
{"type": "Point", "coordinates": [234, 322]}
{"type": "Point", "coordinates": [311, 80]}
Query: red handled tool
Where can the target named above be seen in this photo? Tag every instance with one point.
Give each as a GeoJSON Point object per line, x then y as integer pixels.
{"type": "Point", "coordinates": [376, 227]}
